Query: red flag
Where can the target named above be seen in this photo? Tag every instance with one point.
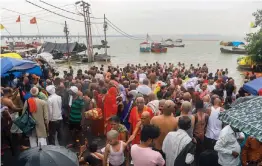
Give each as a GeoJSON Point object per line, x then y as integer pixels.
{"type": "Point", "coordinates": [33, 21]}
{"type": "Point", "coordinates": [18, 19]}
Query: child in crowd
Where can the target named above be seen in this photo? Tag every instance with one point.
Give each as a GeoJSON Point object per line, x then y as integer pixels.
{"type": "Point", "coordinates": [114, 150]}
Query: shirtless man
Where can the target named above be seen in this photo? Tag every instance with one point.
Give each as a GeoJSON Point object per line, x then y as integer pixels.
{"type": "Point", "coordinates": [6, 100]}
{"type": "Point", "coordinates": [166, 122]}
{"type": "Point", "coordinates": [161, 106]}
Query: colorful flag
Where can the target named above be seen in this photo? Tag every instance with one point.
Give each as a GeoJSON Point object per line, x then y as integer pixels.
{"type": "Point", "coordinates": [252, 25]}
{"type": "Point", "coordinates": [33, 21]}
{"type": "Point", "coordinates": [18, 19]}
{"type": "Point", "coordinates": [1, 26]}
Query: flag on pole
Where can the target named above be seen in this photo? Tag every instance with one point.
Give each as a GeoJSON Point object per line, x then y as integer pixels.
{"type": "Point", "coordinates": [1, 26]}
{"type": "Point", "coordinates": [18, 19]}
{"type": "Point", "coordinates": [252, 25]}
{"type": "Point", "coordinates": [33, 21]}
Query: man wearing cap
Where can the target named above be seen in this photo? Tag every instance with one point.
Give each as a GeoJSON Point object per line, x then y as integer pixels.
{"type": "Point", "coordinates": [55, 114]}
{"type": "Point", "coordinates": [76, 104]}
{"type": "Point", "coordinates": [39, 111]}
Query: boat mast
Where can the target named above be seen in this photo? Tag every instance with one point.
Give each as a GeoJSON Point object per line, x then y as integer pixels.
{"type": "Point", "coordinates": [105, 28]}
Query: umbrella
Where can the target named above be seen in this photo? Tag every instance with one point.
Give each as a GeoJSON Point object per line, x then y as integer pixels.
{"type": "Point", "coordinates": [246, 116]}
{"type": "Point", "coordinates": [17, 66]}
{"type": "Point", "coordinates": [253, 86]}
{"type": "Point", "coordinates": [11, 55]}
{"type": "Point", "coordinates": [48, 156]}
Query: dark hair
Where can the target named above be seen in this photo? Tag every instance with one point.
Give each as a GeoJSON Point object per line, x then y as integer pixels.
{"type": "Point", "coordinates": [184, 123]}
{"type": "Point", "coordinates": [115, 119]}
{"type": "Point", "coordinates": [93, 147]}
{"type": "Point", "coordinates": [149, 132]}
{"type": "Point", "coordinates": [199, 104]}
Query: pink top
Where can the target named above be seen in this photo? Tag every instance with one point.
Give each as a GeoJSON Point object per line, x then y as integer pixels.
{"type": "Point", "coordinates": [146, 157]}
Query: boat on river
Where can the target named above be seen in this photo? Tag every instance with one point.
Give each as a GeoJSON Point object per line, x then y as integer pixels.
{"type": "Point", "coordinates": [171, 44]}
{"type": "Point", "coordinates": [233, 51]}
{"type": "Point", "coordinates": [158, 48]}
{"type": "Point", "coordinates": [145, 47]}
{"type": "Point", "coordinates": [179, 40]}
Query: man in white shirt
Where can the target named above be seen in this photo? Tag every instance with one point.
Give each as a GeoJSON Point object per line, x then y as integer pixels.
{"type": "Point", "coordinates": [144, 89]}
{"type": "Point", "coordinates": [175, 142]}
{"type": "Point", "coordinates": [55, 115]}
{"type": "Point", "coordinates": [228, 147]}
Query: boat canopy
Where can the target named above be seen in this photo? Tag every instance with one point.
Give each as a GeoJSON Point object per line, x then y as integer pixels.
{"type": "Point", "coordinates": [169, 40]}
{"type": "Point", "coordinates": [145, 42]}
{"type": "Point", "coordinates": [253, 86]}
{"type": "Point", "coordinates": [62, 47]}
{"type": "Point", "coordinates": [237, 43]}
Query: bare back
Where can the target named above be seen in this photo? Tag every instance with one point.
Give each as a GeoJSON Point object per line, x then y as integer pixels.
{"type": "Point", "coordinates": [166, 124]}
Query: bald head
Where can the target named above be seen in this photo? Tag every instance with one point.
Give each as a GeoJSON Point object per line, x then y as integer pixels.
{"type": "Point", "coordinates": [186, 106]}
{"type": "Point", "coordinates": [145, 118]}
{"type": "Point", "coordinates": [187, 96]}
{"type": "Point", "coordinates": [112, 134]}
{"type": "Point", "coordinates": [169, 107]}
{"type": "Point", "coordinates": [140, 102]}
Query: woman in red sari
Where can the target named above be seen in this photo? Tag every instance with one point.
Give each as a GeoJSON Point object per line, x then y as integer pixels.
{"type": "Point", "coordinates": [110, 105]}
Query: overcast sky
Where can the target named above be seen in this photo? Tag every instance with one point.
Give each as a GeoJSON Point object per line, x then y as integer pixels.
{"type": "Point", "coordinates": [161, 17]}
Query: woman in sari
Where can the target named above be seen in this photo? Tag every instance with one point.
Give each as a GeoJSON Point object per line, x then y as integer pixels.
{"type": "Point", "coordinates": [115, 124]}
{"type": "Point", "coordinates": [110, 106]}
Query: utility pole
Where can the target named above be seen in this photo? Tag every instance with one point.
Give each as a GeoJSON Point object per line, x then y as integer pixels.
{"type": "Point", "coordinates": [105, 28]}
{"type": "Point", "coordinates": [67, 46]}
{"type": "Point", "coordinates": [89, 35]}
{"type": "Point", "coordinates": [85, 6]}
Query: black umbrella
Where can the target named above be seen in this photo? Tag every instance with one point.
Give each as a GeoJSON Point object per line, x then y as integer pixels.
{"type": "Point", "coordinates": [48, 156]}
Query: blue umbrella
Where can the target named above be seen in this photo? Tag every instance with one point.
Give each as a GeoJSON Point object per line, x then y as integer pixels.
{"type": "Point", "coordinates": [253, 86]}
{"type": "Point", "coordinates": [18, 66]}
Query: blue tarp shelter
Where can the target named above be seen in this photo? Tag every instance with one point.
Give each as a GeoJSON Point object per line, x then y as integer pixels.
{"type": "Point", "coordinates": [237, 43]}
{"type": "Point", "coordinates": [253, 86]}
{"type": "Point", "coordinates": [18, 67]}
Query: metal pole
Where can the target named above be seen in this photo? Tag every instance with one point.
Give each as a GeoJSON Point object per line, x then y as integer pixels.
{"type": "Point", "coordinates": [84, 14]}
{"type": "Point", "coordinates": [105, 27]}
{"type": "Point", "coordinates": [90, 48]}
{"type": "Point", "coordinates": [67, 46]}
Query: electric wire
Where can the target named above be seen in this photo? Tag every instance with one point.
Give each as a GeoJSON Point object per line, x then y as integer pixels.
{"type": "Point", "coordinates": [54, 12]}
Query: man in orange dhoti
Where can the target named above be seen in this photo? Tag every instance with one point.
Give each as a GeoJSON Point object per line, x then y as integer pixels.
{"type": "Point", "coordinates": [135, 117]}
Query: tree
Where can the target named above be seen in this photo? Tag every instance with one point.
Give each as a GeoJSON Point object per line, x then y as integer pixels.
{"type": "Point", "coordinates": [254, 40]}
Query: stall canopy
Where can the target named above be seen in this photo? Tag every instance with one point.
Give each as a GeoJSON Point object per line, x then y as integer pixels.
{"type": "Point", "coordinates": [62, 47]}
{"type": "Point", "coordinates": [253, 86]}
{"type": "Point", "coordinates": [246, 116]}
{"type": "Point", "coordinates": [11, 55]}
{"type": "Point", "coordinates": [18, 67]}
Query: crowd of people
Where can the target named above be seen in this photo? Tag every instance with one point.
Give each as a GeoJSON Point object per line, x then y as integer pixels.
{"type": "Point", "coordinates": [153, 114]}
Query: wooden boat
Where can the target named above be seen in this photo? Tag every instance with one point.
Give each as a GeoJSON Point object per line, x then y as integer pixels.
{"type": "Point", "coordinates": [227, 51]}
{"type": "Point", "coordinates": [158, 48]}
{"type": "Point", "coordinates": [179, 40]}
{"type": "Point", "coordinates": [145, 47]}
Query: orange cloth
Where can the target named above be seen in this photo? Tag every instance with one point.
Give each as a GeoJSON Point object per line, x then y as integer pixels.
{"type": "Point", "coordinates": [32, 105]}
{"type": "Point", "coordinates": [252, 151]}
{"type": "Point", "coordinates": [134, 118]}
{"type": "Point", "coordinates": [110, 106]}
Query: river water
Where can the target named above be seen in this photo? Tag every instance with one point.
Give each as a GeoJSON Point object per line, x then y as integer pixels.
{"type": "Point", "coordinates": [126, 51]}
